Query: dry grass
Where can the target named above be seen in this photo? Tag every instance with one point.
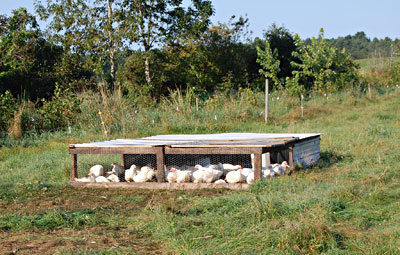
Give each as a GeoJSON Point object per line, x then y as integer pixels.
{"type": "Point", "coordinates": [15, 127]}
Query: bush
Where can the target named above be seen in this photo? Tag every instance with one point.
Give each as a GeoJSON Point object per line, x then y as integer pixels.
{"type": "Point", "coordinates": [7, 109]}
{"type": "Point", "coordinates": [61, 110]}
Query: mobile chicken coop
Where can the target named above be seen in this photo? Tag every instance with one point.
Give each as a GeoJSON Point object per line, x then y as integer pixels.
{"type": "Point", "coordinates": [254, 151]}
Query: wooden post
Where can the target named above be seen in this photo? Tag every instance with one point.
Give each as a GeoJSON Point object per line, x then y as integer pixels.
{"type": "Point", "coordinates": [123, 161]}
{"type": "Point", "coordinates": [74, 166]}
{"type": "Point", "coordinates": [257, 166]}
{"type": "Point", "coordinates": [369, 91]}
{"type": "Point", "coordinates": [302, 106]}
{"type": "Point", "coordinates": [291, 163]}
{"type": "Point", "coordinates": [197, 104]}
{"type": "Point", "coordinates": [160, 165]}
{"type": "Point", "coordinates": [266, 100]}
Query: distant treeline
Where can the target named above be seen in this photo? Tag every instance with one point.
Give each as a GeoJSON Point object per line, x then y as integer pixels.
{"type": "Point", "coordinates": [360, 46]}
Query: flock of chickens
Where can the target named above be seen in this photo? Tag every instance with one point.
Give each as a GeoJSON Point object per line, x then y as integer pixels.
{"type": "Point", "coordinates": [221, 173]}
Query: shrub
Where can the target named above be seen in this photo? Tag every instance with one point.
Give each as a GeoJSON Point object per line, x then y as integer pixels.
{"type": "Point", "coordinates": [61, 110]}
{"type": "Point", "coordinates": [7, 109]}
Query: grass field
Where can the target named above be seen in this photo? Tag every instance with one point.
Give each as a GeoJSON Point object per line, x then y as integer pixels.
{"type": "Point", "coordinates": [348, 203]}
{"type": "Point", "coordinates": [369, 65]}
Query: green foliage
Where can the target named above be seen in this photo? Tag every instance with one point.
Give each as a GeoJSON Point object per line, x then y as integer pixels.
{"type": "Point", "coordinates": [270, 64]}
{"type": "Point", "coordinates": [281, 38]}
{"type": "Point", "coordinates": [26, 59]}
{"type": "Point", "coordinates": [323, 68]}
{"type": "Point", "coordinates": [162, 22]}
{"type": "Point", "coordinates": [7, 109]}
{"type": "Point", "coordinates": [359, 46]}
{"type": "Point", "coordinates": [88, 28]}
{"type": "Point", "coordinates": [61, 111]}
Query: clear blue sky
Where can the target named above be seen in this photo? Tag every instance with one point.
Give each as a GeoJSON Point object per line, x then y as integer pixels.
{"type": "Point", "coordinates": [377, 18]}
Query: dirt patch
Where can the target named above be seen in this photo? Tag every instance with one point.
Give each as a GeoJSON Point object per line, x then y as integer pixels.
{"type": "Point", "coordinates": [96, 239]}
{"type": "Point", "coordinates": [114, 234]}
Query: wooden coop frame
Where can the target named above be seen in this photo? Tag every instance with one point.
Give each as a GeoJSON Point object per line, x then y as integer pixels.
{"type": "Point", "coordinates": [162, 145]}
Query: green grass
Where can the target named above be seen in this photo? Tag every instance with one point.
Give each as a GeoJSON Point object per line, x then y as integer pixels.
{"type": "Point", "coordinates": [347, 204]}
{"type": "Point", "coordinates": [368, 65]}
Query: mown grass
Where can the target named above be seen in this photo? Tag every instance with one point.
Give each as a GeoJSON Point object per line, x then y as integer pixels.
{"type": "Point", "coordinates": [347, 204]}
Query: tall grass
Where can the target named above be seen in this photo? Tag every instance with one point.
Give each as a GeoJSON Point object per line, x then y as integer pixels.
{"type": "Point", "coordinates": [347, 204]}
{"type": "Point", "coordinates": [219, 113]}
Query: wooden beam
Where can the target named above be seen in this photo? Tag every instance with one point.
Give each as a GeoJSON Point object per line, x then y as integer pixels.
{"type": "Point", "coordinates": [74, 166]}
{"type": "Point", "coordinates": [257, 167]}
{"type": "Point", "coordinates": [112, 150]}
{"type": "Point", "coordinates": [123, 161]}
{"type": "Point", "coordinates": [214, 150]}
{"type": "Point", "coordinates": [156, 185]}
{"type": "Point", "coordinates": [160, 165]}
{"type": "Point", "coordinates": [291, 163]}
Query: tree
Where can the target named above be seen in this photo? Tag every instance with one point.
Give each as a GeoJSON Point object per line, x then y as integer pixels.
{"type": "Point", "coordinates": [152, 23]}
{"type": "Point", "coordinates": [27, 60]}
{"type": "Point", "coordinates": [282, 40]}
{"type": "Point", "coordinates": [89, 28]}
{"type": "Point", "coordinates": [269, 62]}
{"type": "Point", "coordinates": [322, 67]}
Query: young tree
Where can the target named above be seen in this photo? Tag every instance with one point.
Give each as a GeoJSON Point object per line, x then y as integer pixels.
{"type": "Point", "coordinates": [88, 28]}
{"type": "Point", "coordinates": [281, 38]}
{"type": "Point", "coordinates": [270, 64]}
{"type": "Point", "coordinates": [323, 67]}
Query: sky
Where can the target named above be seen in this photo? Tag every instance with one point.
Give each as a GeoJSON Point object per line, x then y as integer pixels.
{"type": "Point", "coordinates": [338, 17]}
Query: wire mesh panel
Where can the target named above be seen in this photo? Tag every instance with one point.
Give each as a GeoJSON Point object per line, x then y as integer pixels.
{"type": "Point", "coordinates": [140, 160]}
{"type": "Point", "coordinates": [181, 160]}
{"type": "Point", "coordinates": [86, 161]}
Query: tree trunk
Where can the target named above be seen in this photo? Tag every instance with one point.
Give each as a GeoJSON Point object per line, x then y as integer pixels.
{"type": "Point", "coordinates": [147, 70]}
{"type": "Point", "coordinates": [111, 44]}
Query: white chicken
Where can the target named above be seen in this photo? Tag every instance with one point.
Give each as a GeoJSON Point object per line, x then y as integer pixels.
{"type": "Point", "coordinates": [171, 174]}
{"type": "Point", "coordinates": [231, 167]}
{"type": "Point", "coordinates": [183, 176]}
{"type": "Point", "coordinates": [113, 178]}
{"type": "Point", "coordinates": [101, 179]}
{"type": "Point", "coordinates": [95, 178]}
{"type": "Point", "coordinates": [220, 181]}
{"type": "Point", "coordinates": [130, 173]}
{"type": "Point", "coordinates": [276, 168]}
{"type": "Point", "coordinates": [250, 178]}
{"type": "Point", "coordinates": [235, 177]}
{"type": "Point", "coordinates": [206, 174]}
{"type": "Point", "coordinates": [226, 168]}
{"type": "Point", "coordinates": [83, 179]}
{"type": "Point", "coordinates": [246, 171]}
{"type": "Point", "coordinates": [146, 174]}
{"type": "Point", "coordinates": [268, 173]}
{"type": "Point", "coordinates": [98, 170]}
{"type": "Point", "coordinates": [285, 167]}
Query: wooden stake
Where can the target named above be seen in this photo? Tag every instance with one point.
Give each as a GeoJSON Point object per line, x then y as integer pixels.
{"type": "Point", "coordinates": [197, 104]}
{"type": "Point", "coordinates": [369, 91]}
{"type": "Point", "coordinates": [266, 100]}
{"type": "Point", "coordinates": [302, 106]}
{"type": "Point", "coordinates": [74, 166]}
